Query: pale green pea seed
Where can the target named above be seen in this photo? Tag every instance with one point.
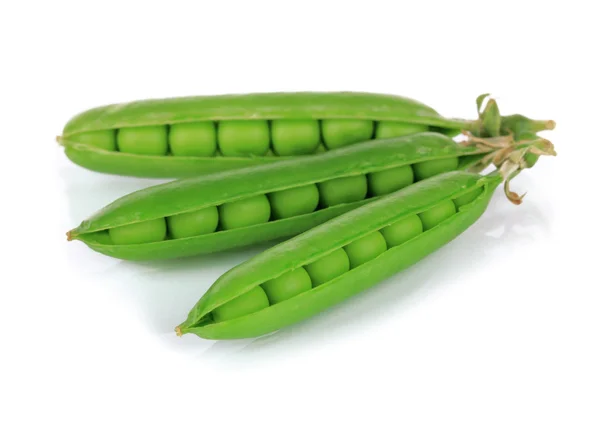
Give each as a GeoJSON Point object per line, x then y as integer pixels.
{"type": "Point", "coordinates": [403, 230]}
{"type": "Point", "coordinates": [343, 132]}
{"type": "Point", "coordinates": [328, 267]}
{"type": "Point", "coordinates": [139, 233]}
{"type": "Point", "coordinates": [194, 223]}
{"type": "Point", "coordinates": [245, 304]}
{"type": "Point", "coordinates": [343, 190]}
{"type": "Point", "coordinates": [430, 168]}
{"type": "Point", "coordinates": [245, 212]}
{"type": "Point", "coordinates": [295, 137]}
{"type": "Point", "coordinates": [193, 139]}
{"type": "Point", "coordinates": [101, 139]}
{"type": "Point", "coordinates": [437, 214]}
{"type": "Point", "coordinates": [143, 140]}
{"type": "Point", "coordinates": [390, 180]}
{"type": "Point", "coordinates": [294, 202]}
{"type": "Point", "coordinates": [243, 137]}
{"type": "Point", "coordinates": [287, 285]}
{"type": "Point", "coordinates": [366, 248]}
{"type": "Point", "coordinates": [468, 197]}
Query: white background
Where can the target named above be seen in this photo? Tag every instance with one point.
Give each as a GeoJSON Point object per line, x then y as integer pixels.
{"type": "Point", "coordinates": [498, 329]}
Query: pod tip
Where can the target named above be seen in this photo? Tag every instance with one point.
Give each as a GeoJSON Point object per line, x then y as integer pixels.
{"type": "Point", "coordinates": [69, 236]}
{"type": "Point", "coordinates": [59, 139]}
{"type": "Point", "coordinates": [178, 331]}
{"type": "Point", "coordinates": [550, 125]}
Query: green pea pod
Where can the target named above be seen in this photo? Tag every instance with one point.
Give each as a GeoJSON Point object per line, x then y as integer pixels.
{"type": "Point", "coordinates": [232, 214]}
{"type": "Point", "coordinates": [379, 239]}
{"type": "Point", "coordinates": [328, 237]}
{"type": "Point", "coordinates": [181, 137]}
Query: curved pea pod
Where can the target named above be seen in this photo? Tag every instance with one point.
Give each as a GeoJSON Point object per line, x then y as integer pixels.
{"type": "Point", "coordinates": [180, 137]}
{"type": "Point", "coordinates": [268, 202]}
{"type": "Point", "coordinates": [349, 253]}
{"type": "Point", "coordinates": [339, 233]}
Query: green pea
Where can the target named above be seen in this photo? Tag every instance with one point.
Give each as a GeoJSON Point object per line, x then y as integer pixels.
{"type": "Point", "coordinates": [248, 303]}
{"type": "Point", "coordinates": [437, 214]}
{"type": "Point", "coordinates": [143, 140]}
{"type": "Point", "coordinates": [328, 267]}
{"type": "Point", "coordinates": [245, 212]}
{"type": "Point", "coordinates": [194, 223]}
{"type": "Point", "coordinates": [343, 190]}
{"type": "Point", "coordinates": [295, 201]}
{"type": "Point", "coordinates": [390, 180]}
{"type": "Point", "coordinates": [287, 285]}
{"type": "Point", "coordinates": [139, 233]}
{"type": "Point", "coordinates": [430, 168]}
{"type": "Point", "coordinates": [398, 129]}
{"type": "Point", "coordinates": [366, 248]}
{"type": "Point", "coordinates": [468, 197]}
{"type": "Point", "coordinates": [102, 139]}
{"type": "Point", "coordinates": [193, 139]}
{"type": "Point", "coordinates": [244, 137]}
{"type": "Point", "coordinates": [343, 132]}
{"type": "Point", "coordinates": [295, 137]}
{"type": "Point", "coordinates": [403, 230]}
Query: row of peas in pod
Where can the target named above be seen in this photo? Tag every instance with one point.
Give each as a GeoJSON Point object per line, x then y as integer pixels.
{"type": "Point", "coordinates": [339, 261]}
{"type": "Point", "coordinates": [283, 204]}
{"type": "Point", "coordinates": [283, 137]}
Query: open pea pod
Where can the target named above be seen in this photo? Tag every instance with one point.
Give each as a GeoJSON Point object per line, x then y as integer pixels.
{"type": "Point", "coordinates": [179, 137]}
{"type": "Point", "coordinates": [317, 269]}
{"type": "Point", "coordinates": [219, 211]}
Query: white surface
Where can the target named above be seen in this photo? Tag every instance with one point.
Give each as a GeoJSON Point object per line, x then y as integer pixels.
{"type": "Point", "coordinates": [499, 328]}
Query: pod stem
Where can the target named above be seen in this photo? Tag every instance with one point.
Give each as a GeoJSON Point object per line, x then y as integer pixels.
{"type": "Point", "coordinates": [511, 164]}
{"type": "Point", "coordinates": [59, 140]}
{"type": "Point", "coordinates": [178, 331]}
{"type": "Point", "coordinates": [491, 124]}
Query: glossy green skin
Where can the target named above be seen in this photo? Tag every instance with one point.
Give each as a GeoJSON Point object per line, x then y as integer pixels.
{"type": "Point", "coordinates": [265, 106]}
{"type": "Point", "coordinates": [328, 267]}
{"type": "Point", "coordinates": [398, 129]}
{"type": "Point", "coordinates": [252, 301]}
{"type": "Point", "coordinates": [244, 138]}
{"type": "Point", "coordinates": [365, 249]}
{"type": "Point", "coordinates": [390, 180]}
{"type": "Point", "coordinates": [401, 231]}
{"type": "Point", "coordinates": [433, 216]}
{"type": "Point", "coordinates": [246, 212]}
{"type": "Point", "coordinates": [338, 233]}
{"type": "Point", "coordinates": [343, 190]}
{"type": "Point", "coordinates": [294, 202]}
{"type": "Point", "coordinates": [216, 189]}
{"type": "Point", "coordinates": [193, 223]}
{"type": "Point", "coordinates": [423, 170]}
{"type": "Point", "coordinates": [139, 233]}
{"type": "Point", "coordinates": [343, 132]}
{"type": "Point", "coordinates": [295, 137]}
{"type": "Point", "coordinates": [193, 139]}
{"type": "Point", "coordinates": [154, 137]}
{"type": "Point", "coordinates": [105, 139]}
{"type": "Point", "coordinates": [287, 285]}
{"type": "Point", "coordinates": [467, 198]}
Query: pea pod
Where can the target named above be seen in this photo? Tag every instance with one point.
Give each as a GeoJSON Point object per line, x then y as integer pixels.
{"type": "Point", "coordinates": [215, 212]}
{"type": "Point", "coordinates": [357, 249]}
{"type": "Point", "coordinates": [180, 137]}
